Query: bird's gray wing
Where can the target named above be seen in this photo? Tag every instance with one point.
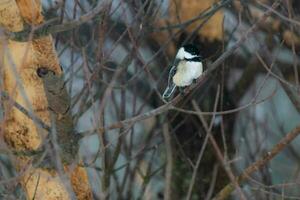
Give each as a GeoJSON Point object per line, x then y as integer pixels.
{"type": "Point", "coordinates": [171, 74]}
{"type": "Point", "coordinates": [171, 86]}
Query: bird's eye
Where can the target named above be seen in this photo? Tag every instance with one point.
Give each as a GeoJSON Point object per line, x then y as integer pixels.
{"type": "Point", "coordinates": [43, 71]}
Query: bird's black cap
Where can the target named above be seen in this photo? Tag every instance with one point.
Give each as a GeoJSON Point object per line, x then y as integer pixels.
{"type": "Point", "coordinates": [192, 49]}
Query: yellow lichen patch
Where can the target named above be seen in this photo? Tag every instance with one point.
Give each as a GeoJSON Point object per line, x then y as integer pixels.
{"type": "Point", "coordinates": [45, 54]}
{"type": "Point", "coordinates": [20, 131]}
{"type": "Point", "coordinates": [20, 63]}
{"type": "Point", "coordinates": [181, 11]}
{"type": "Point", "coordinates": [46, 184]}
{"type": "Point", "coordinates": [40, 184]}
{"type": "Point", "coordinates": [80, 184]}
{"type": "Point", "coordinates": [31, 11]}
{"type": "Point", "coordinates": [10, 17]}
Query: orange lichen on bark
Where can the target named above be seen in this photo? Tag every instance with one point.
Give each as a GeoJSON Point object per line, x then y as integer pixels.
{"type": "Point", "coordinates": [20, 63]}
{"type": "Point", "coordinates": [181, 11]}
{"type": "Point", "coordinates": [31, 11]}
{"type": "Point", "coordinates": [10, 16]}
{"type": "Point", "coordinates": [55, 189]}
{"type": "Point", "coordinates": [79, 179]}
{"type": "Point", "coordinates": [40, 184]}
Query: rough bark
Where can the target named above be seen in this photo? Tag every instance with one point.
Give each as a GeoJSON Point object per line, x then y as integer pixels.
{"type": "Point", "coordinates": [20, 62]}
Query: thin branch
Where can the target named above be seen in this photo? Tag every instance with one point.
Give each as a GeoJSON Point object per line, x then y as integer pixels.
{"type": "Point", "coordinates": [219, 154]}
{"type": "Point", "coordinates": [211, 68]}
{"type": "Point", "coordinates": [289, 88]}
{"type": "Point", "coordinates": [213, 181]}
{"type": "Point", "coordinates": [253, 102]}
{"type": "Point", "coordinates": [169, 167]}
{"type": "Point", "coordinates": [195, 170]}
{"type": "Point", "coordinates": [228, 189]}
{"type": "Point", "coordinates": [210, 12]}
{"type": "Point", "coordinates": [245, 37]}
{"type": "Point", "coordinates": [49, 27]}
{"type": "Point", "coordinates": [29, 114]}
{"type": "Point", "coordinates": [288, 19]}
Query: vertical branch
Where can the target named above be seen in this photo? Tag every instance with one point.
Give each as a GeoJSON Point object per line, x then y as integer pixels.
{"type": "Point", "coordinates": [208, 130]}
{"type": "Point", "coordinates": [217, 149]}
{"type": "Point", "coordinates": [169, 164]}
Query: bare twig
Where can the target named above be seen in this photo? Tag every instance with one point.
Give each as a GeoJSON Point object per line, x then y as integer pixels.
{"type": "Point", "coordinates": [48, 27]}
{"type": "Point", "coordinates": [211, 68]}
{"type": "Point", "coordinates": [192, 182]}
{"type": "Point", "coordinates": [245, 36]}
{"type": "Point", "coordinates": [219, 154]}
{"type": "Point", "coordinates": [228, 189]}
{"type": "Point", "coordinates": [213, 182]}
{"type": "Point", "coordinates": [169, 166]}
{"type": "Point", "coordinates": [29, 114]}
{"type": "Point", "coordinates": [288, 19]}
{"type": "Point", "coordinates": [210, 12]}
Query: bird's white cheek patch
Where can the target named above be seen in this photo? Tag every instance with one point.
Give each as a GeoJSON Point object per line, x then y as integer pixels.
{"type": "Point", "coordinates": [182, 54]}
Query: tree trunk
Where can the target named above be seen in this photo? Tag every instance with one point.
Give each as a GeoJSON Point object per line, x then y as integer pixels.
{"type": "Point", "coordinates": [20, 62]}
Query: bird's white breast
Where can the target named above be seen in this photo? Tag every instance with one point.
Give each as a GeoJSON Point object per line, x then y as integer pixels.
{"type": "Point", "coordinates": [187, 71]}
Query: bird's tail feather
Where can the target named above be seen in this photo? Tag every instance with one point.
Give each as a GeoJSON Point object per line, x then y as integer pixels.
{"type": "Point", "coordinates": [169, 91]}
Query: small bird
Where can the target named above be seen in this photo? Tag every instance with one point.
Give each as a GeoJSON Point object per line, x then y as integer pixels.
{"type": "Point", "coordinates": [186, 68]}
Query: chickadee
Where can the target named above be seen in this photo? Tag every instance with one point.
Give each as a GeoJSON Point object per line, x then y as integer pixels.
{"type": "Point", "coordinates": [186, 68]}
